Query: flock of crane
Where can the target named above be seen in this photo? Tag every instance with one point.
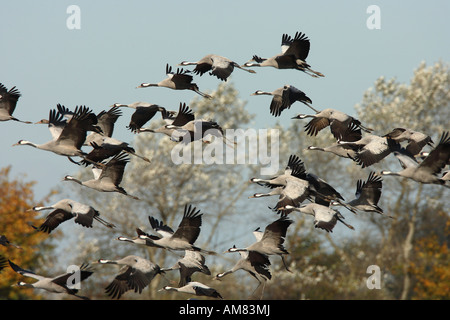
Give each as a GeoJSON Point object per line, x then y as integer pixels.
{"type": "Point", "coordinates": [72, 130]}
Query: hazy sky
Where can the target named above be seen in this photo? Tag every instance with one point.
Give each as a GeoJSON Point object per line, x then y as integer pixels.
{"type": "Point", "coordinates": [121, 44]}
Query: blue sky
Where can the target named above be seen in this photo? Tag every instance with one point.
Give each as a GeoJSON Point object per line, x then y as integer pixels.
{"type": "Point", "coordinates": [121, 44]}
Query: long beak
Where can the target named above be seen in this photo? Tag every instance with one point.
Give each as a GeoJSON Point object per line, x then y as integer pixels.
{"type": "Point", "coordinates": [146, 130]}
{"type": "Point", "coordinates": [40, 208]}
{"type": "Point", "coordinates": [104, 261]}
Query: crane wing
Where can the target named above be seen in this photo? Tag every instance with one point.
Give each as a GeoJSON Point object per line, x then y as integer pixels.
{"type": "Point", "coordinates": [24, 272]}
{"type": "Point", "coordinates": [438, 157]}
{"type": "Point", "coordinates": [8, 98]}
{"type": "Point", "coordinates": [115, 168]}
{"type": "Point", "coordinates": [298, 46]}
{"type": "Point", "coordinates": [189, 228]}
{"type": "Point", "coordinates": [161, 228]}
{"type": "Point", "coordinates": [54, 219]}
{"type": "Point", "coordinates": [184, 116]}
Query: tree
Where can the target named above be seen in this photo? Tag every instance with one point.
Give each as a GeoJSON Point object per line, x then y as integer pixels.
{"type": "Point", "coordinates": [16, 197]}
{"type": "Point", "coordinates": [325, 266]}
{"type": "Point", "coordinates": [431, 263]}
{"type": "Point", "coordinates": [422, 105]}
{"type": "Point", "coordinates": [407, 249]}
{"type": "Point", "coordinates": [165, 188]}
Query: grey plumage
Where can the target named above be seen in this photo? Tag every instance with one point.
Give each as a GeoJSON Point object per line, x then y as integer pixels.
{"type": "Point", "coordinates": [342, 125]}
{"type": "Point", "coordinates": [370, 149]}
{"type": "Point", "coordinates": [255, 263]}
{"type": "Point", "coordinates": [415, 140]}
{"type": "Point", "coordinates": [183, 116]}
{"type": "Point", "coordinates": [67, 209]}
{"type": "Point", "coordinates": [426, 171]}
{"type": "Point", "coordinates": [195, 288]}
{"type": "Point", "coordinates": [271, 240]}
{"type": "Point", "coordinates": [283, 98]}
{"type": "Point", "coordinates": [295, 167]}
{"type": "Point", "coordinates": [72, 136]}
{"type": "Point", "coordinates": [179, 80]}
{"type": "Point", "coordinates": [108, 178]}
{"type": "Point", "coordinates": [185, 128]}
{"type": "Point", "coordinates": [324, 217]}
{"type": "Point", "coordinates": [144, 112]}
{"type": "Point", "coordinates": [182, 239]}
{"type": "Point", "coordinates": [294, 52]}
{"type": "Point", "coordinates": [295, 186]}
{"type": "Point", "coordinates": [337, 149]}
{"type": "Point", "coordinates": [8, 103]}
{"type": "Point", "coordinates": [219, 66]}
{"type": "Point", "coordinates": [193, 261]}
{"type": "Point", "coordinates": [367, 195]}
{"type": "Point", "coordinates": [136, 274]}
{"type": "Point", "coordinates": [58, 284]}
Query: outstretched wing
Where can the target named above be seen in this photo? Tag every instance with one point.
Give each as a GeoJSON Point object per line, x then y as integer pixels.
{"type": "Point", "coordinates": [3, 262]}
{"type": "Point", "coordinates": [128, 278]}
{"type": "Point", "coordinates": [315, 125]}
{"type": "Point", "coordinates": [370, 189]}
{"type": "Point", "coordinates": [298, 46]}
{"type": "Point", "coordinates": [8, 99]}
{"type": "Point", "coordinates": [84, 272]}
{"type": "Point", "coordinates": [74, 133]}
{"type": "Point", "coordinates": [275, 232]}
{"type": "Point", "coordinates": [54, 219]}
{"type": "Point", "coordinates": [183, 116]}
{"type": "Point", "coordinates": [438, 157]}
{"type": "Point", "coordinates": [24, 272]}
{"type": "Point", "coordinates": [115, 168]}
{"type": "Point", "coordinates": [107, 119]}
{"type": "Point", "coordinates": [161, 228]}
{"type": "Point", "coordinates": [189, 228]}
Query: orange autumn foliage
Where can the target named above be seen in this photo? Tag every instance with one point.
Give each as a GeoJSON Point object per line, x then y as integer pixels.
{"type": "Point", "coordinates": [15, 198]}
{"type": "Point", "coordinates": [432, 267]}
